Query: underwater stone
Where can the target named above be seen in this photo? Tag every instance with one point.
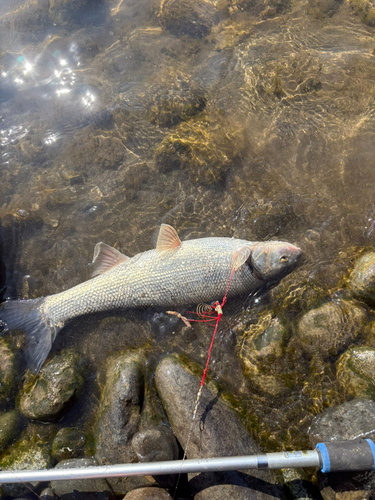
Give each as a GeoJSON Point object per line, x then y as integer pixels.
{"type": "Point", "coordinates": [68, 443]}
{"type": "Point", "coordinates": [155, 444]}
{"type": "Point", "coordinates": [329, 329]}
{"type": "Point", "coordinates": [10, 423]}
{"type": "Point", "coordinates": [365, 9]}
{"type": "Point", "coordinates": [54, 389]}
{"type": "Point", "coordinates": [81, 489]}
{"type": "Point", "coordinates": [355, 372]}
{"type": "Point", "coordinates": [187, 17]}
{"type": "Point", "coordinates": [118, 416]}
{"type": "Point", "coordinates": [351, 420]}
{"type": "Point", "coordinates": [24, 455]}
{"type": "Point", "coordinates": [362, 279]}
{"type": "Point", "coordinates": [202, 148]}
{"type": "Point", "coordinates": [217, 432]}
{"type": "Point", "coordinates": [150, 493]}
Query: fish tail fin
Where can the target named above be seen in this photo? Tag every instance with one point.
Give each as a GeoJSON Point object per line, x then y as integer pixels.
{"type": "Point", "coordinates": [27, 315]}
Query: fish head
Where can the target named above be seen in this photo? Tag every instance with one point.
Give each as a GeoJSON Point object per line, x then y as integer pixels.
{"type": "Point", "coordinates": [274, 259]}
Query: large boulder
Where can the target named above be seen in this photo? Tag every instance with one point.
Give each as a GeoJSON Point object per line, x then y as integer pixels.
{"type": "Point", "coordinates": [217, 431]}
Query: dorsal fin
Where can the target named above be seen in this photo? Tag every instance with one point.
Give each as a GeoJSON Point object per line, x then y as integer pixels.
{"type": "Point", "coordinates": [240, 257]}
{"type": "Point", "coordinates": [105, 258]}
{"type": "Point", "coordinates": [168, 239]}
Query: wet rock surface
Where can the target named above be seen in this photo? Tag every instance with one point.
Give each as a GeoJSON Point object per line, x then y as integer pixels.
{"type": "Point", "coordinates": [25, 455]}
{"type": "Point", "coordinates": [185, 17]}
{"type": "Point", "coordinates": [148, 494]}
{"type": "Point", "coordinates": [118, 418]}
{"type": "Point", "coordinates": [10, 425]}
{"type": "Point", "coordinates": [69, 443]}
{"type": "Point", "coordinates": [54, 389]}
{"type": "Point", "coordinates": [356, 372]}
{"type": "Point", "coordinates": [8, 371]}
{"type": "Point", "coordinates": [220, 433]}
{"type": "Point", "coordinates": [155, 444]}
{"type": "Point", "coordinates": [85, 489]}
{"type": "Point", "coordinates": [362, 279]}
{"type": "Point", "coordinates": [331, 328]}
{"type": "Point", "coordinates": [351, 420]}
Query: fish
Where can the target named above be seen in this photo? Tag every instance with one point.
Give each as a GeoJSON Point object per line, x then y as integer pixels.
{"type": "Point", "coordinates": [173, 274]}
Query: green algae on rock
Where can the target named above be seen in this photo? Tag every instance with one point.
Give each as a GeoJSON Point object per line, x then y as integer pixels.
{"type": "Point", "coordinates": [24, 455]}
{"type": "Point", "coordinates": [10, 424]}
{"type": "Point", "coordinates": [69, 443]}
{"type": "Point", "coordinates": [8, 371]}
{"type": "Point", "coordinates": [355, 371]}
{"type": "Point", "coordinates": [330, 329]}
{"type": "Point", "coordinates": [54, 389]}
{"type": "Point", "coordinates": [362, 279]}
{"type": "Point", "coordinates": [203, 147]}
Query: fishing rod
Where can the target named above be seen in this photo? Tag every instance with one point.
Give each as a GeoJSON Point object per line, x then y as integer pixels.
{"type": "Point", "coordinates": [357, 455]}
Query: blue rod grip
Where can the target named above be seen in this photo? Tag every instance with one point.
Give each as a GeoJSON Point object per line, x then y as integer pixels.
{"type": "Point", "coordinates": [347, 455]}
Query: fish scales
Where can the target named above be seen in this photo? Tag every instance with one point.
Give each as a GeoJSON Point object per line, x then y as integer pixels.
{"type": "Point", "coordinates": [175, 273]}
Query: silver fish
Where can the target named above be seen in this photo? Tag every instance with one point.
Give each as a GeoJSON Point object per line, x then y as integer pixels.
{"type": "Point", "coordinates": [175, 273]}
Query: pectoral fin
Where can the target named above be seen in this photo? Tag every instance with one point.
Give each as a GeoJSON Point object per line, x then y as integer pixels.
{"type": "Point", "coordinates": [168, 239]}
{"type": "Point", "coordinates": [240, 257]}
{"type": "Point", "coordinates": [105, 258]}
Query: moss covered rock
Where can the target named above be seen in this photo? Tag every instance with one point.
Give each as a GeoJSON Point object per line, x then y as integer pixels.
{"type": "Point", "coordinates": [25, 455]}
{"type": "Point", "coordinates": [331, 328]}
{"type": "Point", "coordinates": [68, 443]}
{"type": "Point", "coordinates": [54, 389]}
{"type": "Point", "coordinates": [356, 372]}
{"type": "Point", "coordinates": [10, 423]}
{"type": "Point", "coordinates": [203, 148]}
{"type": "Point", "coordinates": [362, 279]}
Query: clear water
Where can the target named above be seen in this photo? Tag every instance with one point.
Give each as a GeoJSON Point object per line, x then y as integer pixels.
{"type": "Point", "coordinates": [256, 123]}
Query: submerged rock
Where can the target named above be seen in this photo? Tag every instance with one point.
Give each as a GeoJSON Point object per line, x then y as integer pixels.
{"type": "Point", "coordinates": [148, 494]}
{"type": "Point", "coordinates": [54, 389]}
{"type": "Point", "coordinates": [118, 417]}
{"type": "Point", "coordinates": [187, 17]}
{"type": "Point", "coordinates": [362, 278]}
{"type": "Point", "coordinates": [356, 372]}
{"type": "Point", "coordinates": [365, 9]}
{"type": "Point", "coordinates": [155, 444]}
{"type": "Point", "coordinates": [68, 443]}
{"type": "Point", "coordinates": [24, 455]}
{"type": "Point", "coordinates": [10, 423]}
{"type": "Point", "coordinates": [331, 328]}
{"type": "Point", "coordinates": [83, 489]}
{"type": "Point", "coordinates": [351, 420]}
{"type": "Point", "coordinates": [203, 148]}
{"type": "Point", "coordinates": [217, 431]}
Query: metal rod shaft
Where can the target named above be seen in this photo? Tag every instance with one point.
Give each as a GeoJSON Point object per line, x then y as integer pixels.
{"type": "Point", "coordinates": [309, 458]}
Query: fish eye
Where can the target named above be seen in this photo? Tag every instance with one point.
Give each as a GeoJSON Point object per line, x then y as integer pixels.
{"type": "Point", "coordinates": [284, 258]}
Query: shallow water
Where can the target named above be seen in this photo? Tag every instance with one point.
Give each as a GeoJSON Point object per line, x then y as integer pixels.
{"type": "Point", "coordinates": [257, 124]}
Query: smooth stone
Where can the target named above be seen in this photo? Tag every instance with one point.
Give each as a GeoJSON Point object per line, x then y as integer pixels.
{"type": "Point", "coordinates": [217, 431]}
{"type": "Point", "coordinates": [47, 494]}
{"type": "Point", "coordinates": [69, 442]}
{"type": "Point", "coordinates": [77, 489]}
{"type": "Point", "coordinates": [118, 418]}
{"type": "Point", "coordinates": [10, 423]}
{"type": "Point", "coordinates": [355, 371]}
{"type": "Point", "coordinates": [149, 493]}
{"type": "Point", "coordinates": [362, 279]}
{"type": "Point", "coordinates": [187, 17]}
{"type": "Point", "coordinates": [329, 329]}
{"type": "Point", "coordinates": [155, 445]}
{"type": "Point", "coordinates": [24, 455]}
{"type": "Point", "coordinates": [351, 420]}
{"type": "Point", "coordinates": [54, 389]}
